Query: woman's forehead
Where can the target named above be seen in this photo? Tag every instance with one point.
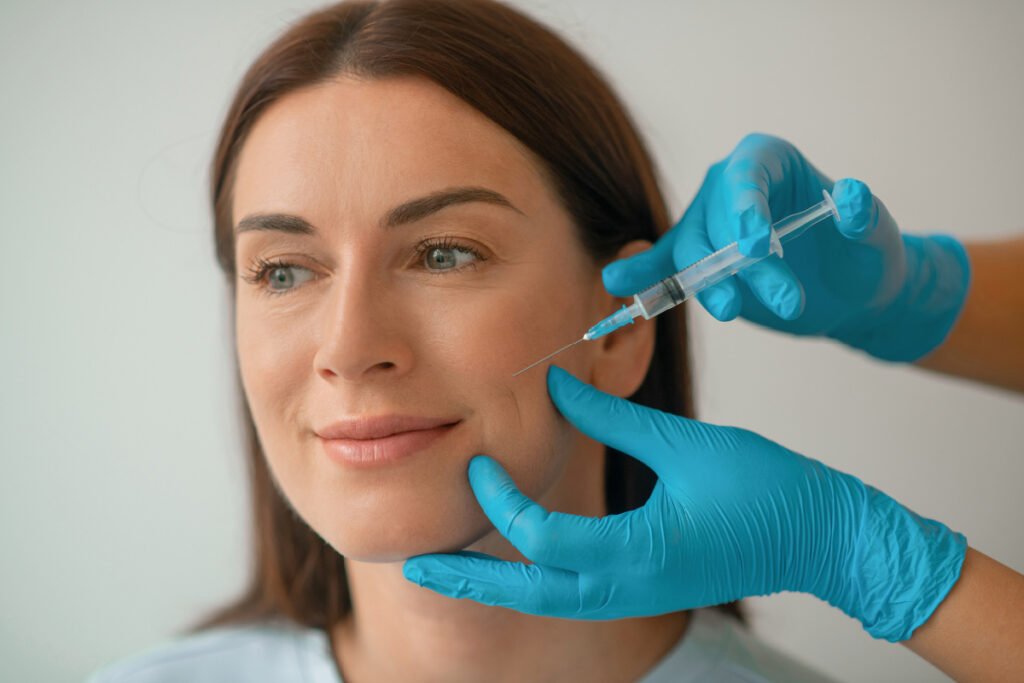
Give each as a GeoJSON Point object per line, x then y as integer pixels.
{"type": "Point", "coordinates": [370, 143]}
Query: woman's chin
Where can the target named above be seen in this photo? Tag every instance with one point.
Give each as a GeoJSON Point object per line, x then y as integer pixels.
{"type": "Point", "coordinates": [401, 537]}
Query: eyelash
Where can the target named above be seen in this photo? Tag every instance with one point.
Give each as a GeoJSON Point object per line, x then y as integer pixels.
{"type": "Point", "coordinates": [260, 267]}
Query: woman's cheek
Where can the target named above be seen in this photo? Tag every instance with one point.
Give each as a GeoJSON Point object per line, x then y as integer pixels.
{"type": "Point", "coordinates": [275, 362]}
{"type": "Point", "coordinates": [269, 359]}
{"type": "Point", "coordinates": [516, 423]}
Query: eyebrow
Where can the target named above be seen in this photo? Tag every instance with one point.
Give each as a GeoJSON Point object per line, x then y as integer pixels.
{"type": "Point", "coordinates": [407, 212]}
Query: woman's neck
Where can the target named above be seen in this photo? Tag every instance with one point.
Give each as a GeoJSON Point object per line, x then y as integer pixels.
{"type": "Point", "coordinates": [400, 631]}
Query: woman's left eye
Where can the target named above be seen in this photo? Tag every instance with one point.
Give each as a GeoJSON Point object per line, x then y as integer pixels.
{"type": "Point", "coordinates": [438, 258]}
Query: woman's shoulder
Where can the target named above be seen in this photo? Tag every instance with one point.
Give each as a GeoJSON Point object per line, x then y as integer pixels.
{"type": "Point", "coordinates": [716, 647]}
{"type": "Point", "coordinates": [256, 652]}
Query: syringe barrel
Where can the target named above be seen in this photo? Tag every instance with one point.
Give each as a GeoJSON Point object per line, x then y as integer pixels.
{"type": "Point", "coordinates": [659, 297]}
{"type": "Point", "coordinates": [677, 288]}
{"type": "Point", "coordinates": [711, 270]}
{"type": "Point", "coordinates": [726, 262]}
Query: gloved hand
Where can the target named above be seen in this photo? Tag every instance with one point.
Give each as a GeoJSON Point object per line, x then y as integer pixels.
{"type": "Point", "coordinates": [732, 515]}
{"type": "Point", "coordinates": [860, 282]}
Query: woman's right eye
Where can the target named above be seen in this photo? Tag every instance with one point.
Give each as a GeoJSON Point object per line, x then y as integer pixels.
{"type": "Point", "coordinates": [278, 277]}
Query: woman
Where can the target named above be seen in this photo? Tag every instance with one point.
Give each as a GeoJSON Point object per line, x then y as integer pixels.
{"type": "Point", "coordinates": [412, 201]}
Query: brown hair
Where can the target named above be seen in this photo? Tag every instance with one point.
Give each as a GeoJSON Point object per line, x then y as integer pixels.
{"type": "Point", "coordinates": [531, 83]}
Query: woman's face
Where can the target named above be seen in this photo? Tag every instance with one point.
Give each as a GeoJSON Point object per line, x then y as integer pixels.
{"type": "Point", "coordinates": [413, 258]}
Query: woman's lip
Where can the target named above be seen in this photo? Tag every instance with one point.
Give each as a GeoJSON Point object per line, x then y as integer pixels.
{"type": "Point", "coordinates": [378, 427]}
{"type": "Point", "coordinates": [379, 451]}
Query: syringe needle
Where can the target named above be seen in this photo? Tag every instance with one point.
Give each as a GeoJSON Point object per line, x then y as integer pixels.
{"type": "Point", "coordinates": [547, 357]}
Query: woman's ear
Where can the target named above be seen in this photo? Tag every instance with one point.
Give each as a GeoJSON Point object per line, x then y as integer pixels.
{"type": "Point", "coordinates": [620, 362]}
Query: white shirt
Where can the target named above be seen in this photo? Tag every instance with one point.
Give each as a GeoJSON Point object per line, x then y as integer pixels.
{"type": "Point", "coordinates": [714, 648]}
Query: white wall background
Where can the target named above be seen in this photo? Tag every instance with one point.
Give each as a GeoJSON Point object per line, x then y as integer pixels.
{"type": "Point", "coordinates": [122, 503]}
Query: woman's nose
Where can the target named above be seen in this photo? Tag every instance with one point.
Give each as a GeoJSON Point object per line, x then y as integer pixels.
{"type": "Point", "coordinates": [362, 335]}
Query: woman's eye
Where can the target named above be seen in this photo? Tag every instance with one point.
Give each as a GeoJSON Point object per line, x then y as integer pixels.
{"type": "Point", "coordinates": [447, 258]}
{"type": "Point", "coordinates": [283, 278]}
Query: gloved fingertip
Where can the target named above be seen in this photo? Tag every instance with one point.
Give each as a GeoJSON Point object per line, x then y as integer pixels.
{"type": "Point", "coordinates": [574, 399]}
{"type": "Point", "coordinates": [481, 463]}
{"type": "Point", "coordinates": [617, 280]}
{"type": "Point", "coordinates": [776, 287]}
{"type": "Point", "coordinates": [789, 302]}
{"type": "Point", "coordinates": [721, 301]}
{"type": "Point", "coordinates": [412, 571]}
{"type": "Point", "coordinates": [629, 275]}
{"type": "Point", "coordinates": [448, 586]}
{"type": "Point", "coordinates": [858, 216]}
{"type": "Point", "coordinates": [561, 381]}
{"type": "Point", "coordinates": [754, 234]}
{"type": "Point", "coordinates": [488, 479]}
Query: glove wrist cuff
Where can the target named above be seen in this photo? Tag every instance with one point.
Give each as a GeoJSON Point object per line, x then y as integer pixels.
{"type": "Point", "coordinates": [902, 568]}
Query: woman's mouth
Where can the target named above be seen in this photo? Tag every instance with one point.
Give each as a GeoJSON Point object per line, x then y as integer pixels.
{"type": "Point", "coordinates": [371, 441]}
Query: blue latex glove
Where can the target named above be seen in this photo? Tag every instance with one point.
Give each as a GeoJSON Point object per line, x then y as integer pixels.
{"type": "Point", "coordinates": [732, 515]}
{"type": "Point", "coordinates": [860, 282]}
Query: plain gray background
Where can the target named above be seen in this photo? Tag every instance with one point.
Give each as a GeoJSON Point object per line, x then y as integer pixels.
{"type": "Point", "coordinates": [122, 503]}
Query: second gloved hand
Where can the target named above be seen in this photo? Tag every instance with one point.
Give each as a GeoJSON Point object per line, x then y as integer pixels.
{"type": "Point", "coordinates": [732, 515]}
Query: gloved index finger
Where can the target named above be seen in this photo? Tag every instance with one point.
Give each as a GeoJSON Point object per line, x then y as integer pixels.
{"type": "Point", "coordinates": [530, 588]}
{"type": "Point", "coordinates": [745, 208]}
{"type": "Point", "coordinates": [722, 300]}
{"type": "Point", "coordinates": [628, 276]}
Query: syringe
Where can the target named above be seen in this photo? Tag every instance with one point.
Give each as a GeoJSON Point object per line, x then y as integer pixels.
{"type": "Point", "coordinates": [706, 272]}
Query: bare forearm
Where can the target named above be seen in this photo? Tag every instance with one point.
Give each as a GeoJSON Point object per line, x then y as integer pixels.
{"type": "Point", "coordinates": [987, 342]}
{"type": "Point", "coordinates": [977, 633]}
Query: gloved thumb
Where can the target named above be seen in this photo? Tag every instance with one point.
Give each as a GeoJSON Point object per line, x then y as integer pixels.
{"type": "Point", "coordinates": [651, 436]}
{"type": "Point", "coordinates": [858, 211]}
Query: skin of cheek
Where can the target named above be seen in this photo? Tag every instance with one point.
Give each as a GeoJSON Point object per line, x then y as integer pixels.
{"type": "Point", "coordinates": [467, 346]}
{"type": "Point", "coordinates": [517, 424]}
